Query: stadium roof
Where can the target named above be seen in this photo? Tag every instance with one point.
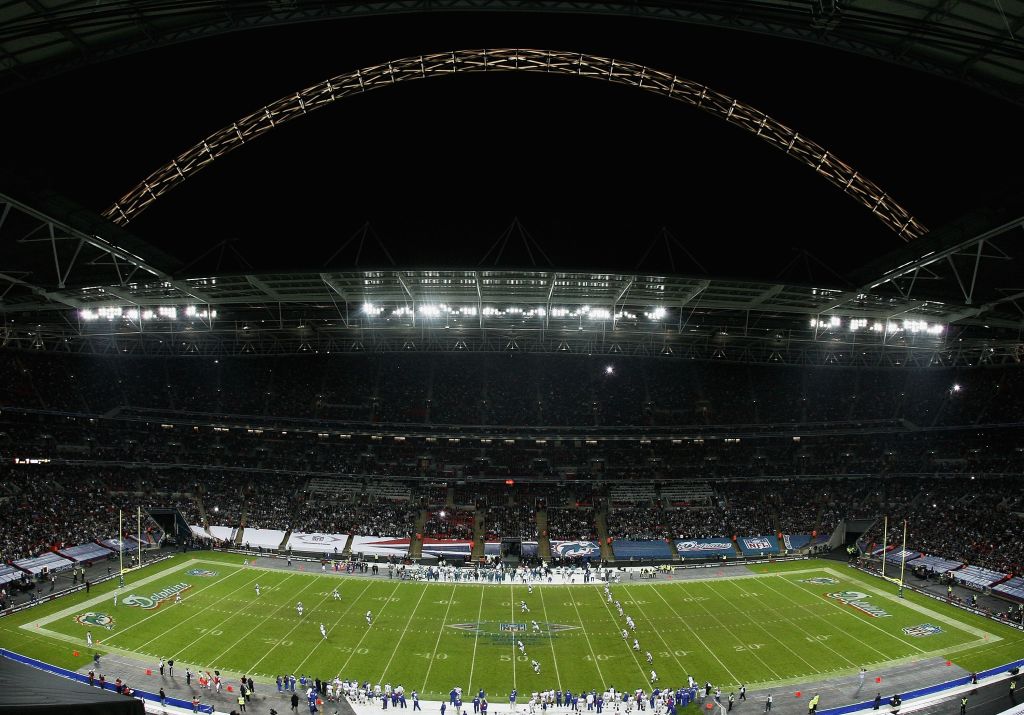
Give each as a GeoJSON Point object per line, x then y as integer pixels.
{"type": "Point", "coordinates": [964, 40]}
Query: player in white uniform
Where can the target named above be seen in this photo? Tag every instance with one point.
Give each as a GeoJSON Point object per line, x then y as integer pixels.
{"type": "Point", "coordinates": [625, 634]}
{"type": "Point", "coordinates": [336, 595]}
{"type": "Point", "coordinates": [523, 608]}
{"type": "Point", "coordinates": [88, 638]}
{"type": "Point", "coordinates": [298, 607]}
{"type": "Point", "coordinates": [535, 626]}
{"type": "Point", "coordinates": [536, 667]}
{"type": "Point", "coordinates": [323, 631]}
{"type": "Point", "coordinates": [177, 598]}
{"type": "Point", "coordinates": [636, 645]}
{"type": "Point", "coordinates": [522, 648]}
{"type": "Point", "coordinates": [257, 589]}
{"type": "Point", "coordinates": [650, 658]}
{"type": "Point", "coordinates": [369, 618]}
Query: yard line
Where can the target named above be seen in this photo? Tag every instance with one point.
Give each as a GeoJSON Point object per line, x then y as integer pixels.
{"type": "Point", "coordinates": [167, 610]}
{"type": "Point", "coordinates": [476, 637]}
{"type": "Point", "coordinates": [655, 589]}
{"type": "Point", "coordinates": [550, 639]}
{"type": "Point", "coordinates": [356, 646]}
{"type": "Point", "coordinates": [811, 611]}
{"type": "Point", "coordinates": [408, 623]}
{"type": "Point", "coordinates": [624, 641]}
{"type": "Point", "coordinates": [850, 613]}
{"type": "Point", "coordinates": [597, 664]}
{"type": "Point", "coordinates": [316, 579]}
{"type": "Point", "coordinates": [761, 626]}
{"type": "Point", "coordinates": [727, 629]}
{"type": "Point", "coordinates": [439, 634]}
{"type": "Point", "coordinates": [512, 602]}
{"type": "Point", "coordinates": [657, 630]}
{"type": "Point", "coordinates": [265, 619]}
{"type": "Point", "coordinates": [208, 607]}
{"type": "Point", "coordinates": [320, 642]}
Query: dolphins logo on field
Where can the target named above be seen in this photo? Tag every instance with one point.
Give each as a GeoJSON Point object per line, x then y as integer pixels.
{"type": "Point", "coordinates": [99, 620]}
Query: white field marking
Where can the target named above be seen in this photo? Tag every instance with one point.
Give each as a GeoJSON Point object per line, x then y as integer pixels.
{"type": "Point", "coordinates": [766, 631]}
{"type": "Point", "coordinates": [686, 623]}
{"type": "Point", "coordinates": [265, 619]}
{"type": "Point", "coordinates": [766, 583]}
{"type": "Point", "coordinates": [170, 608]}
{"type": "Point", "coordinates": [360, 642]}
{"type": "Point", "coordinates": [657, 630]}
{"type": "Point", "coordinates": [551, 640]}
{"type": "Point", "coordinates": [106, 596]}
{"type": "Point", "coordinates": [512, 603]}
{"type": "Point", "coordinates": [476, 639]}
{"type": "Point", "coordinates": [207, 608]}
{"type": "Point", "coordinates": [440, 633]}
{"type": "Point", "coordinates": [636, 659]}
{"type": "Point", "coordinates": [597, 663]}
{"type": "Point", "coordinates": [977, 632]}
{"type": "Point", "coordinates": [351, 605]}
{"type": "Point", "coordinates": [398, 643]}
{"type": "Point", "coordinates": [853, 614]}
{"type": "Point", "coordinates": [738, 639]}
{"type": "Point", "coordinates": [189, 618]}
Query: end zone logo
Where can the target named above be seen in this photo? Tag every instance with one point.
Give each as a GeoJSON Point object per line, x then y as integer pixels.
{"type": "Point", "coordinates": [155, 599]}
{"type": "Point", "coordinates": [821, 580]}
{"type": "Point", "coordinates": [99, 620]}
{"type": "Point", "coordinates": [201, 572]}
{"type": "Point", "coordinates": [925, 629]}
{"type": "Point", "coordinates": [856, 599]}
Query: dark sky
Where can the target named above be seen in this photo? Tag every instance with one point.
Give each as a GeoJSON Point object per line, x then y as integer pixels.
{"type": "Point", "coordinates": [441, 167]}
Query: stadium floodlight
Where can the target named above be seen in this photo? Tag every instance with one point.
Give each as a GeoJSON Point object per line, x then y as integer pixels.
{"type": "Point", "coordinates": [190, 311]}
{"type": "Point", "coordinates": [834, 321]}
{"type": "Point", "coordinates": [657, 313]}
{"type": "Point", "coordinates": [86, 314]}
{"type": "Point", "coordinates": [441, 513]}
{"type": "Point", "coordinates": [956, 387]}
{"type": "Point", "coordinates": [431, 311]}
{"type": "Point", "coordinates": [609, 370]}
{"type": "Point", "coordinates": [369, 309]}
{"type": "Point", "coordinates": [148, 314]}
{"type": "Point", "coordinates": [599, 314]}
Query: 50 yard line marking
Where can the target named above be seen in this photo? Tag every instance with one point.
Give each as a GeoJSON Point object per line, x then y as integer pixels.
{"type": "Point", "coordinates": [551, 640]}
{"type": "Point", "coordinates": [476, 637]}
{"type": "Point", "coordinates": [440, 633]}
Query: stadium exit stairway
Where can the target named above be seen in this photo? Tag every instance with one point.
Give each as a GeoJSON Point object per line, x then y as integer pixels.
{"type": "Point", "coordinates": [601, 525]}
{"type": "Point", "coordinates": [416, 544]}
{"type": "Point", "coordinates": [478, 535]}
{"type": "Point", "coordinates": [543, 541]}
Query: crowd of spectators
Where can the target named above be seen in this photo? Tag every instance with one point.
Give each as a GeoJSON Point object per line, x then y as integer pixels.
{"type": "Point", "coordinates": [511, 521]}
{"type": "Point", "coordinates": [571, 524]}
{"type": "Point", "coordinates": [449, 524]}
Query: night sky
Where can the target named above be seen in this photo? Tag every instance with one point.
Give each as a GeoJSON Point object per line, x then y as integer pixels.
{"type": "Point", "coordinates": [441, 167]}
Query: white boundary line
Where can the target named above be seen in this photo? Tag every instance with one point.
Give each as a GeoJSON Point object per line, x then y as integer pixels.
{"type": "Point", "coordinates": [440, 632]}
{"type": "Point", "coordinates": [597, 663]}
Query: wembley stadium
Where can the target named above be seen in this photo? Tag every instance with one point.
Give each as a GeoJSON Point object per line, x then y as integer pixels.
{"type": "Point", "coordinates": [652, 355]}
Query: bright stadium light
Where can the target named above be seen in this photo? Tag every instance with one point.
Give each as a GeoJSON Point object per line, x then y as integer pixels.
{"type": "Point", "coordinates": [956, 387]}
{"type": "Point", "coordinates": [609, 370]}
{"type": "Point", "coordinates": [369, 308]}
{"type": "Point", "coordinates": [656, 313]}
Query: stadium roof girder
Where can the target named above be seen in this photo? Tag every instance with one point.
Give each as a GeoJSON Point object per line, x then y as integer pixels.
{"type": "Point", "coordinates": [532, 61]}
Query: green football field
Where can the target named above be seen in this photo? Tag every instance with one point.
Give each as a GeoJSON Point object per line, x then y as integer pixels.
{"type": "Point", "coordinates": [791, 622]}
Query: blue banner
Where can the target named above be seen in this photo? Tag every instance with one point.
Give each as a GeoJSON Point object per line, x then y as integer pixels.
{"type": "Point", "coordinates": [624, 549]}
{"type": "Point", "coordinates": [575, 549]}
{"type": "Point", "coordinates": [705, 548]}
{"type": "Point", "coordinates": [796, 541]}
{"type": "Point", "coordinates": [758, 545]}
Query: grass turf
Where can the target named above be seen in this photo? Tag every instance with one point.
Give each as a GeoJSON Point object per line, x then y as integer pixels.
{"type": "Point", "coordinates": [772, 628]}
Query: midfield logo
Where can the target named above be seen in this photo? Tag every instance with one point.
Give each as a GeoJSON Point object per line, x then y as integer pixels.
{"type": "Point", "coordinates": [821, 580]}
{"type": "Point", "coordinates": [499, 631]}
{"type": "Point", "coordinates": [155, 599]}
{"type": "Point", "coordinates": [201, 572]}
{"type": "Point", "coordinates": [856, 599]}
{"type": "Point", "coordinates": [925, 629]}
